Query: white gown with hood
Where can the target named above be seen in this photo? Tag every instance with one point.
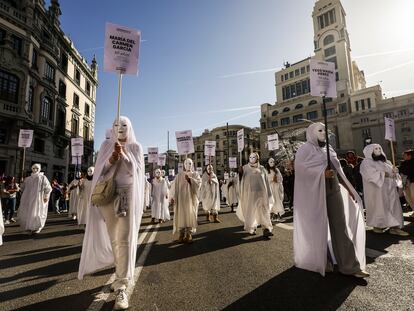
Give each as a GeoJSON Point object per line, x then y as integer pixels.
{"type": "Point", "coordinates": [255, 198]}
{"type": "Point", "coordinates": [210, 192]}
{"type": "Point", "coordinates": [32, 211]}
{"type": "Point", "coordinates": [232, 191]}
{"type": "Point", "coordinates": [277, 192]}
{"type": "Point", "coordinates": [85, 192]}
{"type": "Point", "coordinates": [311, 235]}
{"type": "Point", "coordinates": [97, 250]}
{"type": "Point", "coordinates": [159, 206]}
{"type": "Point", "coordinates": [74, 197]}
{"type": "Point", "coordinates": [382, 202]}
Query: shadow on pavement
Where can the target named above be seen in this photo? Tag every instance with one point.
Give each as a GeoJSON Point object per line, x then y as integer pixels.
{"type": "Point", "coordinates": [24, 260]}
{"type": "Point", "coordinates": [297, 289]}
{"type": "Point", "coordinates": [80, 301]}
{"type": "Point", "coordinates": [42, 235]}
{"type": "Point", "coordinates": [25, 291]}
{"type": "Point", "coordinates": [39, 250]}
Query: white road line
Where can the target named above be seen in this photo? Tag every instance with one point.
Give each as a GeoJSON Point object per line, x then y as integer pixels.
{"type": "Point", "coordinates": [102, 296]}
{"type": "Point", "coordinates": [284, 226]}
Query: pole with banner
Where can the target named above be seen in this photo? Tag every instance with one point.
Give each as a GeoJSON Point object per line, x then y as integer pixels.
{"type": "Point", "coordinates": [273, 142]}
{"type": "Point", "coordinates": [390, 135]}
{"type": "Point", "coordinates": [323, 84]}
{"type": "Point", "coordinates": [210, 149]}
{"type": "Point", "coordinates": [121, 54]}
{"type": "Point", "coordinates": [25, 141]}
{"type": "Point", "coordinates": [240, 143]}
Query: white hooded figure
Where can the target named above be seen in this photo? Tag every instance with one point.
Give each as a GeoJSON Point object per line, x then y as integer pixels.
{"type": "Point", "coordinates": [85, 192]}
{"type": "Point", "coordinates": [185, 200]}
{"type": "Point", "coordinates": [36, 191]}
{"type": "Point", "coordinates": [74, 196]}
{"type": "Point", "coordinates": [381, 197]}
{"type": "Point", "coordinates": [1, 225]}
{"type": "Point", "coordinates": [166, 179]}
{"type": "Point", "coordinates": [233, 191]}
{"type": "Point", "coordinates": [224, 192]}
{"type": "Point", "coordinates": [325, 213]}
{"type": "Point", "coordinates": [111, 235]}
{"type": "Point", "coordinates": [147, 193]}
{"type": "Point", "coordinates": [255, 197]}
{"type": "Point", "coordinates": [210, 194]}
{"type": "Point", "coordinates": [276, 185]}
{"type": "Point", "coordinates": [159, 206]}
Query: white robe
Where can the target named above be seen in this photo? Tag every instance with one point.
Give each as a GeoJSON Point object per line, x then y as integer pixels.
{"type": "Point", "coordinates": [147, 199]}
{"type": "Point", "coordinates": [85, 191]}
{"type": "Point", "coordinates": [224, 192]}
{"type": "Point", "coordinates": [255, 199]}
{"type": "Point", "coordinates": [233, 191]}
{"type": "Point", "coordinates": [277, 192]}
{"type": "Point", "coordinates": [186, 201]}
{"type": "Point", "coordinates": [159, 206]}
{"type": "Point", "coordinates": [210, 193]}
{"type": "Point", "coordinates": [32, 211]}
{"type": "Point", "coordinates": [74, 197]}
{"type": "Point", "coordinates": [381, 198]}
{"type": "Point", "coordinates": [1, 226]}
{"type": "Point", "coordinates": [96, 248]}
{"type": "Point", "coordinates": [311, 235]}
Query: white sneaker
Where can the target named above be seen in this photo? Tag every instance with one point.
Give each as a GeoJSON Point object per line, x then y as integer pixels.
{"type": "Point", "coordinates": [7, 222]}
{"type": "Point", "coordinates": [399, 232]}
{"type": "Point", "coordinates": [121, 300]}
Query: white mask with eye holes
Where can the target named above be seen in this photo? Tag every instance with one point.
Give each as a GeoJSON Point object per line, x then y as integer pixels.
{"type": "Point", "coordinates": [377, 151]}
{"type": "Point", "coordinates": [35, 169]}
{"type": "Point", "coordinates": [91, 170]}
{"type": "Point", "coordinates": [121, 129]}
{"type": "Point", "coordinates": [253, 158]}
{"type": "Point", "coordinates": [163, 173]}
{"type": "Point", "coordinates": [188, 165]}
{"type": "Point", "coordinates": [157, 173]}
{"type": "Point", "coordinates": [271, 162]}
{"type": "Point", "coordinates": [209, 169]}
{"type": "Point", "coordinates": [320, 133]}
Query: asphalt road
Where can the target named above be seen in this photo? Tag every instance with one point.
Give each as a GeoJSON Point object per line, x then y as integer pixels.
{"type": "Point", "coordinates": [224, 269]}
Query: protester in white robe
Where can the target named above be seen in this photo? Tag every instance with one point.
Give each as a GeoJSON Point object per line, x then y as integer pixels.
{"type": "Point", "coordinates": [1, 225]}
{"type": "Point", "coordinates": [166, 179]}
{"type": "Point", "coordinates": [233, 191]}
{"type": "Point", "coordinates": [147, 191]}
{"type": "Point", "coordinates": [381, 197]}
{"type": "Point", "coordinates": [276, 185]}
{"type": "Point", "coordinates": [255, 197]}
{"type": "Point", "coordinates": [111, 235]}
{"type": "Point", "coordinates": [186, 186]}
{"type": "Point", "coordinates": [317, 221]}
{"type": "Point", "coordinates": [159, 206]}
{"type": "Point", "coordinates": [224, 192]}
{"type": "Point", "coordinates": [74, 196]}
{"type": "Point", "coordinates": [210, 194]}
{"type": "Point", "coordinates": [33, 207]}
{"type": "Point", "coordinates": [85, 192]}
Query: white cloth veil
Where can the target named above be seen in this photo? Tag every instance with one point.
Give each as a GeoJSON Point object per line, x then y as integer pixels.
{"type": "Point", "coordinates": [97, 249]}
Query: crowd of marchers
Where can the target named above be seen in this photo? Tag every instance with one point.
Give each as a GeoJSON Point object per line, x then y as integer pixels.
{"type": "Point", "coordinates": [332, 202]}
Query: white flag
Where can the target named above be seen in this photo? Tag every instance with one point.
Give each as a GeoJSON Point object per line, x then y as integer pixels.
{"type": "Point", "coordinates": [389, 129]}
{"type": "Point", "coordinates": [322, 78]}
{"type": "Point", "coordinates": [240, 140]}
{"type": "Point", "coordinates": [25, 138]}
{"type": "Point", "coordinates": [152, 154]}
{"type": "Point", "coordinates": [121, 49]}
{"type": "Point", "coordinates": [210, 148]}
{"type": "Point", "coordinates": [185, 144]}
{"type": "Point", "coordinates": [273, 142]}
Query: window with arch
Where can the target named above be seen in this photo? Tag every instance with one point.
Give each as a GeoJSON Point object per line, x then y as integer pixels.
{"type": "Point", "coordinates": [46, 109]}
{"type": "Point", "coordinates": [9, 86]}
{"type": "Point", "coordinates": [298, 106]}
{"type": "Point", "coordinates": [217, 136]}
{"type": "Point", "coordinates": [312, 102]}
{"type": "Point", "coordinates": [286, 109]}
{"type": "Point", "coordinates": [328, 39]}
{"type": "Point", "coordinates": [275, 113]}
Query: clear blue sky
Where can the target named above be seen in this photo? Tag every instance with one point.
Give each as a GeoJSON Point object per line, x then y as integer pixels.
{"type": "Point", "coordinates": [193, 52]}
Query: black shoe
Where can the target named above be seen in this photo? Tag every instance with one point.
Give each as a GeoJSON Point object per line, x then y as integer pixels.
{"type": "Point", "coordinates": [267, 233]}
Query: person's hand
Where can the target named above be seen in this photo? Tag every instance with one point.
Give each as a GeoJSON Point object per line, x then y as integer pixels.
{"type": "Point", "coordinates": [395, 170]}
{"type": "Point", "coordinates": [187, 178]}
{"type": "Point", "coordinates": [329, 173]}
{"type": "Point", "coordinates": [44, 200]}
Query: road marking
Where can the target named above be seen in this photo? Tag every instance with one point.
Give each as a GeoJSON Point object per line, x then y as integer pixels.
{"type": "Point", "coordinates": [284, 226]}
{"type": "Point", "coordinates": [102, 296]}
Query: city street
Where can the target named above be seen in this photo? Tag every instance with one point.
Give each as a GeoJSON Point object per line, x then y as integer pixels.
{"type": "Point", "coordinates": [224, 268]}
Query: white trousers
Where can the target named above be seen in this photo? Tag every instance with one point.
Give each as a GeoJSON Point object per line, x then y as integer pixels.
{"type": "Point", "coordinates": [118, 231]}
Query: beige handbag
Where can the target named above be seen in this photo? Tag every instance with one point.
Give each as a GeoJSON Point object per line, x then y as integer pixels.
{"type": "Point", "coordinates": [105, 190]}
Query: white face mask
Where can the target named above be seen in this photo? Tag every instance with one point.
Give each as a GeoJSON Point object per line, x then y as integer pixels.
{"type": "Point", "coordinates": [320, 133]}
{"type": "Point", "coordinates": [377, 150]}
{"type": "Point", "coordinates": [252, 158]}
{"type": "Point", "coordinates": [271, 162]}
{"type": "Point", "coordinates": [162, 173]}
{"type": "Point", "coordinates": [91, 170]}
{"type": "Point", "coordinates": [122, 129]}
{"type": "Point", "coordinates": [209, 169]}
{"type": "Point", "coordinates": [157, 173]}
{"type": "Point", "coordinates": [188, 165]}
{"type": "Point", "coordinates": [35, 169]}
